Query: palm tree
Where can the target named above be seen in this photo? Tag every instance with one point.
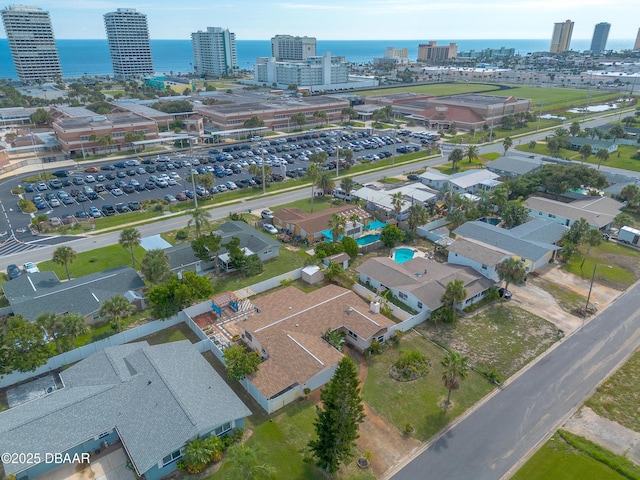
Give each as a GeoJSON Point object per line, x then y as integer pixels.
{"type": "Point", "coordinates": [199, 219]}
{"type": "Point", "coordinates": [354, 218]}
{"type": "Point", "coordinates": [532, 145]}
{"type": "Point", "coordinates": [506, 144]}
{"type": "Point", "coordinates": [74, 325]}
{"type": "Point", "coordinates": [313, 173]}
{"type": "Point", "coordinates": [51, 323]}
{"type": "Point", "coordinates": [320, 115]}
{"type": "Point", "coordinates": [602, 155]}
{"type": "Point", "coordinates": [64, 256]}
{"type": "Point", "coordinates": [397, 201]}
{"type": "Point", "coordinates": [117, 308]}
{"type": "Point", "coordinates": [454, 293]}
{"type": "Point", "coordinates": [509, 271]}
{"type": "Point", "coordinates": [472, 153]}
{"type": "Point", "coordinates": [244, 464]}
{"type": "Point", "coordinates": [346, 184]}
{"type": "Point", "coordinates": [338, 225]}
{"type": "Point", "coordinates": [325, 181]}
{"type": "Point", "coordinates": [455, 156]}
{"type": "Point", "coordinates": [455, 370]}
{"type": "Point", "coordinates": [585, 152]}
{"type": "Point", "coordinates": [130, 238]}
{"type": "Point", "coordinates": [196, 455]}
{"type": "Point", "coordinates": [155, 266]}
{"type": "Point", "coordinates": [593, 238]}
{"type": "Point", "coordinates": [418, 215]}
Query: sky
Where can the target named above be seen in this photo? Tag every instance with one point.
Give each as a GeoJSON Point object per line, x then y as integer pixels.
{"type": "Point", "coordinates": [350, 19]}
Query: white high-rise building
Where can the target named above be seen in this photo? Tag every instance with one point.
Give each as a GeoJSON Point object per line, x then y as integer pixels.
{"type": "Point", "coordinates": [32, 44]}
{"type": "Point", "coordinates": [214, 52]}
{"type": "Point", "coordinates": [315, 71]}
{"type": "Point", "coordinates": [128, 36]}
{"type": "Point", "coordinates": [290, 48]}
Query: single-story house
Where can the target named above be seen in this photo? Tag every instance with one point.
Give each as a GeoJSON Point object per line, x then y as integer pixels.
{"type": "Point", "coordinates": [420, 282]}
{"type": "Point", "coordinates": [251, 241]}
{"type": "Point", "coordinates": [468, 181]}
{"type": "Point", "coordinates": [154, 399]}
{"type": "Point", "coordinates": [600, 212]}
{"type": "Point", "coordinates": [181, 258]}
{"type": "Point", "coordinates": [286, 330]}
{"type": "Point", "coordinates": [596, 144]}
{"type": "Point", "coordinates": [312, 226]}
{"type": "Point", "coordinates": [486, 245]}
{"type": "Point", "coordinates": [381, 199]}
{"type": "Point", "coordinates": [32, 294]}
{"type": "Point", "coordinates": [511, 166]}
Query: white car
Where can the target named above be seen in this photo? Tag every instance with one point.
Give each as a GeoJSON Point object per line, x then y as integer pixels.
{"type": "Point", "coordinates": [116, 192]}
{"type": "Point", "coordinates": [31, 267]}
{"type": "Point", "coordinates": [231, 185]}
{"type": "Point", "coordinates": [175, 175]}
{"type": "Point", "coordinates": [270, 228]}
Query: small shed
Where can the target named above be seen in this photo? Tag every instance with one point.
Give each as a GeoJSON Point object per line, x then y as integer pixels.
{"type": "Point", "coordinates": [339, 258]}
{"type": "Point", "coordinates": [136, 299]}
{"type": "Point", "coordinates": [312, 274]}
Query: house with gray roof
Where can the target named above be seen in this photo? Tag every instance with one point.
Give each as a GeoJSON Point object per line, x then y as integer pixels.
{"type": "Point", "coordinates": [596, 144]}
{"type": "Point", "coordinates": [154, 399]}
{"type": "Point", "coordinates": [33, 294]}
{"type": "Point", "coordinates": [483, 245]}
{"type": "Point", "coordinates": [420, 282]}
{"type": "Point", "coordinates": [251, 241]}
{"type": "Point", "coordinates": [600, 212]}
{"type": "Point", "coordinates": [514, 166]}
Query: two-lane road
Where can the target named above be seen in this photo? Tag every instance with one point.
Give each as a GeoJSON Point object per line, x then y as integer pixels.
{"type": "Point", "coordinates": [489, 443]}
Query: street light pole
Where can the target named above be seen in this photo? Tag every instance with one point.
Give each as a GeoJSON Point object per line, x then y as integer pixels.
{"type": "Point", "coordinates": [593, 275]}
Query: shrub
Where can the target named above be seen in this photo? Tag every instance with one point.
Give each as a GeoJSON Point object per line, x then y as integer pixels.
{"type": "Point", "coordinates": [376, 348]}
{"type": "Point", "coordinates": [17, 190]}
{"type": "Point", "coordinates": [27, 206]}
{"type": "Point", "coordinates": [182, 234]}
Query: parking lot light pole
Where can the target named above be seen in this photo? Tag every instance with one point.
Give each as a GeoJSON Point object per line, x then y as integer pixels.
{"type": "Point", "coordinates": [593, 275]}
{"type": "Point", "coordinates": [195, 195]}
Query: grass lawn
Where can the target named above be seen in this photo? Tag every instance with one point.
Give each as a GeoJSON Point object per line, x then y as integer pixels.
{"type": "Point", "coordinates": [94, 261]}
{"type": "Point", "coordinates": [437, 89]}
{"type": "Point", "coordinates": [624, 260]}
{"type": "Point", "coordinates": [491, 156]}
{"type": "Point", "coordinates": [618, 398]}
{"type": "Point", "coordinates": [624, 161]}
{"type": "Point", "coordinates": [460, 167]}
{"type": "Point", "coordinates": [558, 460]}
{"type": "Point", "coordinates": [319, 204]}
{"type": "Point", "coordinates": [172, 334]}
{"type": "Point", "coordinates": [557, 98]}
{"type": "Point", "coordinates": [500, 338]}
{"type": "Point", "coordinates": [419, 402]}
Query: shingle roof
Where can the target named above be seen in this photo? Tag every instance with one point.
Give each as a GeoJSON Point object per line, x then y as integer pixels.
{"type": "Point", "coordinates": [33, 294]}
{"type": "Point", "coordinates": [316, 222]}
{"type": "Point", "coordinates": [289, 327]}
{"type": "Point", "coordinates": [478, 251]}
{"type": "Point", "coordinates": [596, 213]}
{"type": "Point", "coordinates": [249, 237]}
{"type": "Point", "coordinates": [514, 165]}
{"type": "Point", "coordinates": [425, 279]}
{"type": "Point", "coordinates": [469, 178]}
{"type": "Point", "coordinates": [157, 397]}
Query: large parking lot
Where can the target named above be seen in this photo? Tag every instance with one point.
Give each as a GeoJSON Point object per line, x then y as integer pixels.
{"type": "Point", "coordinates": [109, 188]}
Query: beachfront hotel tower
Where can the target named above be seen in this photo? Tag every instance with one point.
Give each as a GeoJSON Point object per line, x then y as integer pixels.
{"type": "Point", "coordinates": [290, 48]}
{"type": "Point", "coordinates": [32, 44]}
{"type": "Point", "coordinates": [214, 52]}
{"type": "Point", "coordinates": [600, 36]}
{"type": "Point", "coordinates": [561, 39]}
{"type": "Point", "coordinates": [129, 46]}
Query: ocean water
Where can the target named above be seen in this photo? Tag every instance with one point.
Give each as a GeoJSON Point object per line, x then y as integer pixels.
{"type": "Point", "coordinates": [91, 57]}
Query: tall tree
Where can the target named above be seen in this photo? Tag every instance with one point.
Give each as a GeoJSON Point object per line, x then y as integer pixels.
{"type": "Point", "coordinates": [22, 346]}
{"type": "Point", "coordinates": [418, 215]}
{"type": "Point", "coordinates": [244, 464]}
{"type": "Point", "coordinates": [585, 152]}
{"type": "Point", "coordinates": [51, 323]}
{"type": "Point", "coordinates": [339, 418]}
{"type": "Point", "coordinates": [456, 157]}
{"type": "Point", "coordinates": [117, 308]}
{"type": "Point", "coordinates": [454, 293]}
{"type": "Point", "coordinates": [511, 270]}
{"type": "Point", "coordinates": [338, 225]}
{"type": "Point", "coordinates": [64, 255]}
{"type": "Point", "coordinates": [155, 266]}
{"type": "Point", "coordinates": [455, 370]}
{"type": "Point", "coordinates": [574, 128]}
{"type": "Point", "coordinates": [602, 155]}
{"type": "Point", "coordinates": [514, 213]}
{"type": "Point", "coordinates": [506, 144]}
{"type": "Point", "coordinates": [130, 238]}
{"type": "Point", "coordinates": [74, 325]}
{"type": "Point", "coordinates": [349, 112]}
{"type": "Point", "coordinates": [325, 181]}
{"type": "Point", "coordinates": [346, 184]}
{"type": "Point", "coordinates": [313, 173]}
{"type": "Point", "coordinates": [199, 220]}
{"type": "Point", "coordinates": [241, 362]}
{"type": "Point", "coordinates": [593, 238]}
{"type": "Point", "coordinates": [208, 245]}
{"type": "Point", "coordinates": [472, 153]}
{"type": "Point", "coordinates": [397, 202]}
{"type": "Point", "coordinates": [320, 116]}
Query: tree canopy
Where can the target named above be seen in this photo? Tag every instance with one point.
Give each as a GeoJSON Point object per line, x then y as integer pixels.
{"type": "Point", "coordinates": [241, 362]}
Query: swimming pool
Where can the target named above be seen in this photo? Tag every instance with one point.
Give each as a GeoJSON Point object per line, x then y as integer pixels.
{"type": "Point", "coordinates": [490, 220]}
{"type": "Point", "coordinates": [401, 255]}
{"type": "Point", "coordinates": [376, 224]}
{"type": "Point", "coordinates": [367, 239]}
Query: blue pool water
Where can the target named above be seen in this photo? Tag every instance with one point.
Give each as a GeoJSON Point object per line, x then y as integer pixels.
{"type": "Point", "coordinates": [376, 224]}
{"type": "Point", "coordinates": [367, 239]}
{"type": "Point", "coordinates": [490, 220]}
{"type": "Point", "coordinates": [402, 255]}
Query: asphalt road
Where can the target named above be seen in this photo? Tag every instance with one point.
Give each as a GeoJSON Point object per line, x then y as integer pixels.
{"type": "Point", "coordinates": [489, 443]}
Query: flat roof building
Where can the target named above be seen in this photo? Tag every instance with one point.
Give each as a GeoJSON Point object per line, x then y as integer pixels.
{"type": "Point", "coordinates": [323, 70]}
{"type": "Point", "coordinates": [430, 52]}
{"type": "Point", "coordinates": [599, 39]}
{"type": "Point", "coordinates": [561, 39]}
{"type": "Point", "coordinates": [214, 52]}
{"type": "Point", "coordinates": [32, 44]}
{"type": "Point", "coordinates": [129, 46]}
{"type": "Point", "coordinates": [288, 47]}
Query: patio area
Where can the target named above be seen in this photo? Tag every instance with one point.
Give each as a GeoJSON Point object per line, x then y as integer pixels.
{"type": "Point", "coordinates": [109, 464]}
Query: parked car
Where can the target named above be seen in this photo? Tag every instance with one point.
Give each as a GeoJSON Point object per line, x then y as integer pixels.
{"type": "Point", "coordinates": [94, 212]}
{"type": "Point", "coordinates": [108, 209]}
{"type": "Point", "coordinates": [506, 294]}
{"type": "Point", "coordinates": [134, 205]}
{"type": "Point", "coordinates": [270, 228]}
{"type": "Point", "coordinates": [267, 214]}
{"type": "Point", "coordinates": [13, 271]}
{"type": "Point", "coordinates": [30, 267]}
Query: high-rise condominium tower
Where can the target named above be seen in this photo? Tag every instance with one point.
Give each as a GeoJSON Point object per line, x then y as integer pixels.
{"type": "Point", "coordinates": [637, 44]}
{"type": "Point", "coordinates": [214, 52]}
{"type": "Point", "coordinates": [600, 35]}
{"type": "Point", "coordinates": [561, 40]}
{"type": "Point", "coordinates": [128, 36]}
{"type": "Point", "coordinates": [288, 48]}
{"type": "Point", "coordinates": [32, 44]}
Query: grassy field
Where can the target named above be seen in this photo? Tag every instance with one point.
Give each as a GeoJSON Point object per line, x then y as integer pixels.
{"type": "Point", "coordinates": [437, 89]}
{"type": "Point", "coordinates": [558, 460]}
{"type": "Point", "coordinates": [419, 402]}
{"type": "Point", "coordinates": [625, 161]}
{"type": "Point", "coordinates": [558, 98]}
{"type": "Point", "coordinates": [625, 263]}
{"type": "Point", "coordinates": [618, 398]}
{"type": "Point", "coordinates": [94, 261]}
{"type": "Point", "coordinates": [500, 338]}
